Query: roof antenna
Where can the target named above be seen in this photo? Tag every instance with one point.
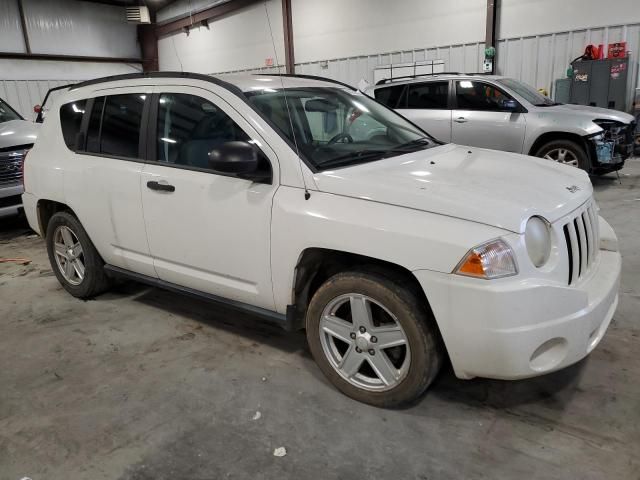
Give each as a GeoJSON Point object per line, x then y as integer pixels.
{"type": "Point", "coordinates": [307, 194]}
{"type": "Point", "coordinates": [173, 41]}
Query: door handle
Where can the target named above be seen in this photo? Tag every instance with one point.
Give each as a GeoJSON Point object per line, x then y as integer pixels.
{"type": "Point", "coordinates": [162, 187]}
{"type": "Point", "coordinates": [460, 120]}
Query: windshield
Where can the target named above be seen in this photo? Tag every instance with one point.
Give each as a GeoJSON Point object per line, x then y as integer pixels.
{"type": "Point", "coordinates": [335, 127]}
{"type": "Point", "coordinates": [7, 113]}
{"type": "Point", "coordinates": [527, 92]}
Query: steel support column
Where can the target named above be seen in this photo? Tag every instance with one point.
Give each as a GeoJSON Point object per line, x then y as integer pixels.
{"type": "Point", "coordinates": [490, 38]}
{"type": "Point", "coordinates": [288, 36]}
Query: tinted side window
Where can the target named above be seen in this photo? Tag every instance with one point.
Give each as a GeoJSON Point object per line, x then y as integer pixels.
{"type": "Point", "coordinates": [120, 131]}
{"type": "Point", "coordinates": [430, 95]}
{"type": "Point", "coordinates": [479, 96]}
{"type": "Point", "coordinates": [189, 127]}
{"type": "Point", "coordinates": [392, 97]}
{"type": "Point", "coordinates": [70, 120]}
{"type": "Point", "coordinates": [93, 130]}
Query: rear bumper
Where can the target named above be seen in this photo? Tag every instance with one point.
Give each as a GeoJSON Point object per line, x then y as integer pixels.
{"type": "Point", "coordinates": [522, 328]}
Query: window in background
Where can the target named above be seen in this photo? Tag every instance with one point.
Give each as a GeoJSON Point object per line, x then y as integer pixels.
{"type": "Point", "coordinates": [429, 95]}
{"type": "Point", "coordinates": [473, 95]}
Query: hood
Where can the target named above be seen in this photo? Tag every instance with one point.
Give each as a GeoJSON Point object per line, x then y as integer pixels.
{"type": "Point", "coordinates": [18, 132]}
{"type": "Point", "coordinates": [495, 188]}
{"type": "Point", "coordinates": [589, 113]}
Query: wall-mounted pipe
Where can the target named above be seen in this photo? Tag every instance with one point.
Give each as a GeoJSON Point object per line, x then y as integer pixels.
{"type": "Point", "coordinates": [66, 58]}
{"type": "Point", "coordinates": [196, 19]}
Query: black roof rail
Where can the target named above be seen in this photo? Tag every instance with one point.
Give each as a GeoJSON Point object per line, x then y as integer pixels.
{"type": "Point", "coordinates": [310, 77]}
{"type": "Point", "coordinates": [389, 80]}
{"type": "Point", "coordinates": [131, 76]}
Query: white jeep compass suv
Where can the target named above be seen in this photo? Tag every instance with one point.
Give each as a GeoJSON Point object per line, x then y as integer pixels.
{"type": "Point", "coordinates": [307, 202]}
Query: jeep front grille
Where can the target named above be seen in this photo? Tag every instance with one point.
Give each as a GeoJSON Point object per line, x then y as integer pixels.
{"type": "Point", "coordinates": [581, 234]}
{"type": "Point", "coordinates": [11, 167]}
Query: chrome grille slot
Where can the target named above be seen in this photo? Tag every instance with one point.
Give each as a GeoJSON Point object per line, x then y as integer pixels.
{"type": "Point", "coordinates": [11, 167]}
{"type": "Point", "coordinates": [581, 236]}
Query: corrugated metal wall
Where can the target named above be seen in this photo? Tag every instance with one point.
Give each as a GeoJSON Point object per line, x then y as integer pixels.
{"type": "Point", "coordinates": [537, 60]}
{"type": "Point", "coordinates": [22, 95]}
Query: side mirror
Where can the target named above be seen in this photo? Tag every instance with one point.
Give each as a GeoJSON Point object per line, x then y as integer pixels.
{"type": "Point", "coordinates": [239, 158]}
{"type": "Point", "coordinates": [39, 111]}
{"type": "Point", "coordinates": [509, 105]}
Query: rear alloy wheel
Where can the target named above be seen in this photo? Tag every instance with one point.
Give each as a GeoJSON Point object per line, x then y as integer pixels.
{"type": "Point", "coordinates": [566, 152]}
{"type": "Point", "coordinates": [69, 255]}
{"type": "Point", "coordinates": [373, 338]}
{"type": "Point", "coordinates": [74, 260]}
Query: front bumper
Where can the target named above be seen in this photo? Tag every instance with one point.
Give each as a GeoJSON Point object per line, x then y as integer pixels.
{"type": "Point", "coordinates": [609, 151]}
{"type": "Point", "coordinates": [519, 328]}
{"type": "Point", "coordinates": [10, 201]}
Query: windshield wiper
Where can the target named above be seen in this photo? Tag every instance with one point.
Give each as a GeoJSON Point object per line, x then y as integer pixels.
{"type": "Point", "coordinates": [413, 145]}
{"type": "Point", "coordinates": [552, 104]}
{"type": "Point", "coordinates": [419, 142]}
{"type": "Point", "coordinates": [357, 156]}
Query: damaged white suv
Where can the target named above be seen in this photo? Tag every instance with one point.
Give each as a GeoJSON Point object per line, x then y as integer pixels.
{"type": "Point", "coordinates": [310, 204]}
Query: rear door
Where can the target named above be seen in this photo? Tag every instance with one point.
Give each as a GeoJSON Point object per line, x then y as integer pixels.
{"type": "Point", "coordinates": [207, 231]}
{"type": "Point", "coordinates": [427, 105]}
{"type": "Point", "coordinates": [102, 182]}
{"type": "Point", "coordinates": [480, 120]}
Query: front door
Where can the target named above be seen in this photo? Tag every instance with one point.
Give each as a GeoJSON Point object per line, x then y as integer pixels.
{"type": "Point", "coordinates": [480, 118]}
{"type": "Point", "coordinates": [207, 231]}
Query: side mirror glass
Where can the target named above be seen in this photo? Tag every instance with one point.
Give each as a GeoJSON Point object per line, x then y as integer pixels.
{"type": "Point", "coordinates": [509, 104]}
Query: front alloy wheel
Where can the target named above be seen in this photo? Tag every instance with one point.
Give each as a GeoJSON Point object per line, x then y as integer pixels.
{"type": "Point", "coordinates": [373, 337]}
{"type": "Point", "coordinates": [364, 342]}
{"type": "Point", "coordinates": [562, 155]}
{"type": "Point", "coordinates": [567, 152]}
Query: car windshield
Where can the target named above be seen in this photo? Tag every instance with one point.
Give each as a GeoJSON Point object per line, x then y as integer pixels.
{"type": "Point", "coordinates": [336, 127]}
{"type": "Point", "coordinates": [527, 92]}
{"type": "Point", "coordinates": [7, 113]}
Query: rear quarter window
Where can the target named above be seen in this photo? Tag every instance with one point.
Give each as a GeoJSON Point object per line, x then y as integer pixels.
{"type": "Point", "coordinates": [392, 97]}
{"type": "Point", "coordinates": [70, 120]}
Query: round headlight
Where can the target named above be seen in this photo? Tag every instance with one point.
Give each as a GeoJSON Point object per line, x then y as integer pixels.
{"type": "Point", "coordinates": [537, 237]}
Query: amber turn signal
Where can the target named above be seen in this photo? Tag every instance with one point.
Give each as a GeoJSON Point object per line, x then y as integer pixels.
{"type": "Point", "coordinates": [493, 259]}
{"type": "Point", "coordinates": [472, 266]}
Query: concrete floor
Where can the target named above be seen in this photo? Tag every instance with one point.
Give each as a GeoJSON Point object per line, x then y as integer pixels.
{"type": "Point", "coordinates": [145, 384]}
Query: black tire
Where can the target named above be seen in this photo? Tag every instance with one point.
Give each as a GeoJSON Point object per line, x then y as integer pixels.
{"type": "Point", "coordinates": [95, 280]}
{"type": "Point", "coordinates": [413, 316]}
{"type": "Point", "coordinates": [575, 148]}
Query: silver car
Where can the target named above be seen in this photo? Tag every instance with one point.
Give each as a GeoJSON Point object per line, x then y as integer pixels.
{"type": "Point", "coordinates": [505, 114]}
{"type": "Point", "coordinates": [17, 136]}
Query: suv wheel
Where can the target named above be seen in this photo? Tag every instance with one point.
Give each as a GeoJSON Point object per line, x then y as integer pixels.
{"type": "Point", "coordinates": [567, 152]}
{"type": "Point", "coordinates": [74, 260]}
{"type": "Point", "coordinates": [373, 339]}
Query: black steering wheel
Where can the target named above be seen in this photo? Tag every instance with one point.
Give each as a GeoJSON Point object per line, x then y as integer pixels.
{"type": "Point", "coordinates": [340, 136]}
